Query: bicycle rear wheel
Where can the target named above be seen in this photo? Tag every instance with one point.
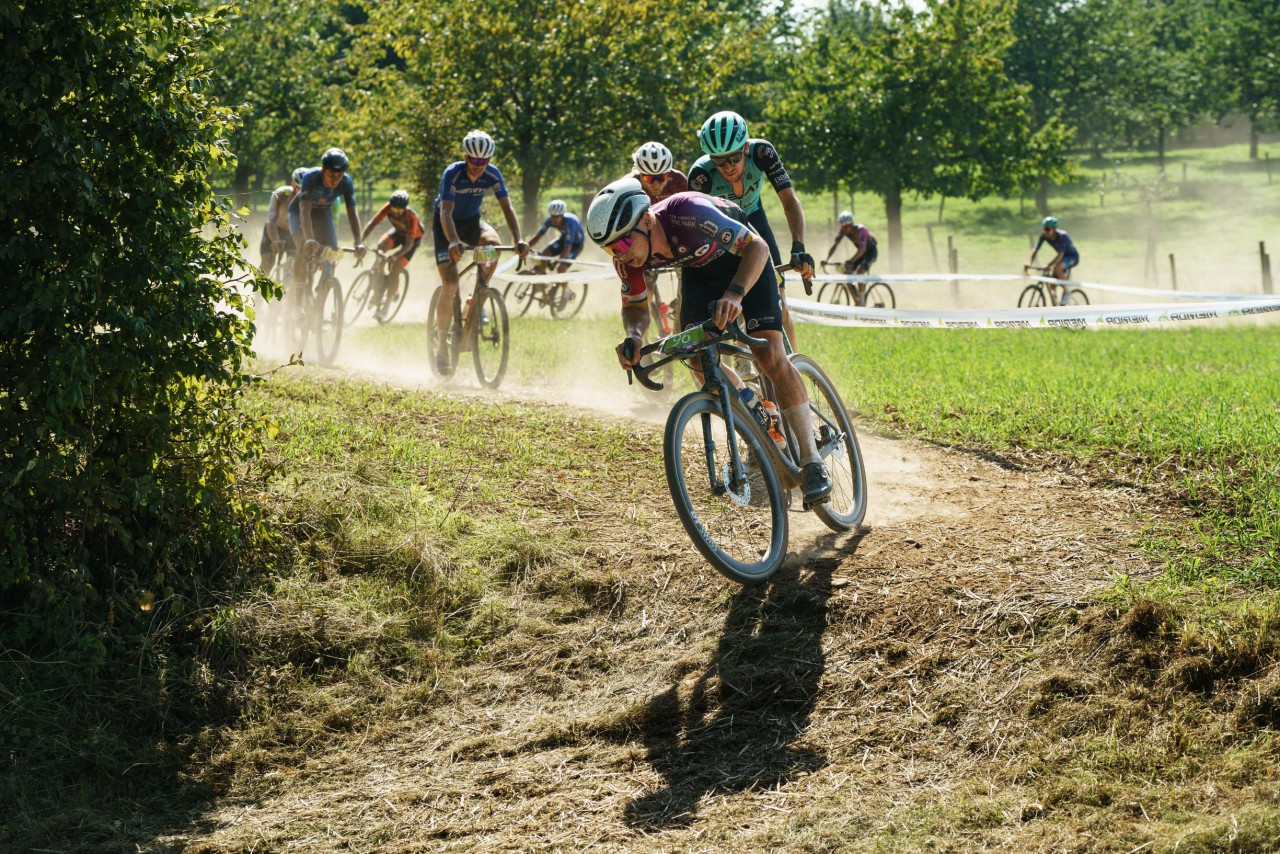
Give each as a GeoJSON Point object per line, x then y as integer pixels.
{"type": "Point", "coordinates": [398, 281]}
{"type": "Point", "coordinates": [880, 295]}
{"type": "Point", "coordinates": [1032, 297]}
{"type": "Point", "coordinates": [567, 299]}
{"type": "Point", "coordinates": [740, 528]}
{"type": "Point", "coordinates": [357, 297]}
{"type": "Point", "coordinates": [838, 446]}
{"type": "Point", "coordinates": [328, 319]}
{"type": "Point", "coordinates": [492, 342]}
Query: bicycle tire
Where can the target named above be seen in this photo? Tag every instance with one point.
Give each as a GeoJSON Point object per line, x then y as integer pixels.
{"type": "Point", "coordinates": [358, 297]}
{"type": "Point", "coordinates": [843, 294]}
{"type": "Point", "coordinates": [433, 335]}
{"type": "Point", "coordinates": [567, 299]}
{"type": "Point", "coordinates": [491, 340]}
{"type": "Point", "coordinates": [298, 317]}
{"type": "Point", "coordinates": [843, 456]}
{"type": "Point", "coordinates": [879, 295]}
{"type": "Point", "coordinates": [393, 307]}
{"type": "Point", "coordinates": [328, 320]}
{"type": "Point", "coordinates": [1032, 296]}
{"type": "Point", "coordinates": [705, 510]}
{"type": "Point", "coordinates": [1075, 296]}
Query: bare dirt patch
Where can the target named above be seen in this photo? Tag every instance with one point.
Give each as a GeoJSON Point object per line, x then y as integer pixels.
{"type": "Point", "coordinates": [903, 687]}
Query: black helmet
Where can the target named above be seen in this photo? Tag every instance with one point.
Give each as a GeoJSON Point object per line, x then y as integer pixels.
{"type": "Point", "coordinates": [335, 159]}
{"type": "Point", "coordinates": [400, 199]}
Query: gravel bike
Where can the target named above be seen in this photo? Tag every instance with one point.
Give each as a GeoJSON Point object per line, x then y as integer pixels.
{"type": "Point", "coordinates": [480, 328]}
{"type": "Point", "coordinates": [727, 476]}
{"type": "Point", "coordinates": [379, 289]}
{"type": "Point", "coordinates": [862, 294]}
{"type": "Point", "coordinates": [317, 307]}
{"type": "Point", "coordinates": [1041, 293]}
{"type": "Point", "coordinates": [564, 299]}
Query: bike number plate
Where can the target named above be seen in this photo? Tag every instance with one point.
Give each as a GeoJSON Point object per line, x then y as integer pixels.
{"type": "Point", "coordinates": [485, 254]}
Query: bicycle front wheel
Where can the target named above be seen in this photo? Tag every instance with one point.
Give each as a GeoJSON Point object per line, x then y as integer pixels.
{"type": "Point", "coordinates": [399, 283]}
{"type": "Point", "coordinates": [1075, 296]}
{"type": "Point", "coordinates": [1032, 297]}
{"type": "Point", "coordinates": [567, 299]}
{"type": "Point", "coordinates": [492, 338]}
{"type": "Point", "coordinates": [738, 524]}
{"type": "Point", "coordinates": [838, 446]}
{"type": "Point", "coordinates": [328, 320]}
{"type": "Point", "coordinates": [880, 295]}
{"type": "Point", "coordinates": [357, 297]}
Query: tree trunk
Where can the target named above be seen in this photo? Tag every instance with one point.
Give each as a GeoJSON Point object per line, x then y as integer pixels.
{"type": "Point", "coordinates": [893, 212]}
{"type": "Point", "coordinates": [240, 183]}
{"type": "Point", "coordinates": [1253, 138]}
{"type": "Point", "coordinates": [1042, 197]}
{"type": "Point", "coordinates": [1160, 150]}
{"type": "Point", "coordinates": [530, 187]}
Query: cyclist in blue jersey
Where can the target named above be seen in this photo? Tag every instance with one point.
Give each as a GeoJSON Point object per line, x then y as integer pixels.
{"type": "Point", "coordinates": [311, 210]}
{"type": "Point", "coordinates": [569, 244]}
{"type": "Point", "coordinates": [1067, 258]}
{"type": "Point", "coordinates": [720, 259]}
{"type": "Point", "coordinates": [735, 167]}
{"type": "Point", "coordinates": [456, 223]}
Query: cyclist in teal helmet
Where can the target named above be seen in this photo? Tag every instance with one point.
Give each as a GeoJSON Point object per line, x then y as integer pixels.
{"type": "Point", "coordinates": [1068, 256]}
{"type": "Point", "coordinates": [734, 168]}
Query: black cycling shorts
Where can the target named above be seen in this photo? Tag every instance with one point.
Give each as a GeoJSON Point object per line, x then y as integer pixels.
{"type": "Point", "coordinates": [700, 286]}
{"type": "Point", "coordinates": [468, 232]}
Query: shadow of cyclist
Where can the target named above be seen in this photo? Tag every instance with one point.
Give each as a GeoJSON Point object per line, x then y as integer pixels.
{"type": "Point", "coordinates": [733, 727]}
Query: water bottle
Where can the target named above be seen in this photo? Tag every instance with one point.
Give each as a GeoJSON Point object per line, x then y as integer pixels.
{"type": "Point", "coordinates": [664, 314]}
{"type": "Point", "coordinates": [756, 408]}
{"type": "Point", "coordinates": [775, 424]}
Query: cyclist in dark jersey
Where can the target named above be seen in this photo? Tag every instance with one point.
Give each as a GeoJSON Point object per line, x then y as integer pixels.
{"type": "Point", "coordinates": [311, 210]}
{"type": "Point", "coordinates": [720, 259]}
{"type": "Point", "coordinates": [276, 239]}
{"type": "Point", "coordinates": [456, 223]}
{"type": "Point", "coordinates": [1067, 258]}
{"type": "Point", "coordinates": [864, 244]}
{"type": "Point", "coordinates": [735, 168]}
{"type": "Point", "coordinates": [569, 244]}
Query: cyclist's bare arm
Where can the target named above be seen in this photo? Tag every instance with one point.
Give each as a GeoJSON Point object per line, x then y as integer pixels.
{"type": "Point", "coordinates": [450, 232]}
{"type": "Point", "coordinates": [304, 212]}
{"type": "Point", "coordinates": [353, 219]}
{"type": "Point", "coordinates": [513, 225]}
{"type": "Point", "coordinates": [635, 322]}
{"type": "Point", "coordinates": [834, 245]}
{"type": "Point", "coordinates": [373, 223]}
{"type": "Point", "coordinates": [795, 217]}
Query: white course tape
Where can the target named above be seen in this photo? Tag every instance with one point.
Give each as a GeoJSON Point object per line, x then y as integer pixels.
{"type": "Point", "coordinates": [1070, 316]}
{"type": "Point", "coordinates": [891, 278]}
{"type": "Point", "coordinates": [548, 278]}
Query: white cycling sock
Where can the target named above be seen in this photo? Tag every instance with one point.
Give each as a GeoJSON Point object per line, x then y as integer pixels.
{"type": "Point", "coordinates": [800, 420]}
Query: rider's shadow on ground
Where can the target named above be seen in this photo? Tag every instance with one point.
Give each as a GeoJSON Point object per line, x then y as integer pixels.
{"type": "Point", "coordinates": [734, 726]}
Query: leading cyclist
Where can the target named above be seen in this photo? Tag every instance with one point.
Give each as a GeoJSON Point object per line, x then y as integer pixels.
{"type": "Point", "coordinates": [1068, 256]}
{"type": "Point", "coordinates": [456, 222]}
{"type": "Point", "coordinates": [311, 210]}
{"type": "Point", "coordinates": [720, 258]}
{"type": "Point", "coordinates": [734, 168]}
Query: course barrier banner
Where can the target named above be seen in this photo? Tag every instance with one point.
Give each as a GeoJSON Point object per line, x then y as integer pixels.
{"type": "Point", "coordinates": [550, 278]}
{"type": "Point", "coordinates": [1065, 317]}
{"type": "Point", "coordinates": [893, 278]}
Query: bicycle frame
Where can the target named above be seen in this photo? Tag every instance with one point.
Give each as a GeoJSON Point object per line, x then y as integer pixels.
{"type": "Point", "coordinates": [481, 255]}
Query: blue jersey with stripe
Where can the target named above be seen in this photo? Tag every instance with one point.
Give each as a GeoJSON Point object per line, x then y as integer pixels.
{"type": "Point", "coordinates": [312, 189]}
{"type": "Point", "coordinates": [1062, 243]}
{"type": "Point", "coordinates": [570, 229]}
{"type": "Point", "coordinates": [466, 194]}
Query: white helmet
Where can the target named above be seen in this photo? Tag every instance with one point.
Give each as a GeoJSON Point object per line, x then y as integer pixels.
{"type": "Point", "coordinates": [556, 208]}
{"type": "Point", "coordinates": [723, 133]}
{"type": "Point", "coordinates": [615, 210]}
{"type": "Point", "coordinates": [478, 144]}
{"type": "Point", "coordinates": [845, 218]}
{"type": "Point", "coordinates": [652, 158]}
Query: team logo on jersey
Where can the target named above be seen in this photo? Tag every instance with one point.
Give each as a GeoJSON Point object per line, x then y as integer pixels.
{"type": "Point", "coordinates": [741, 243]}
{"type": "Point", "coordinates": [703, 250]}
{"type": "Point", "coordinates": [752, 324]}
{"type": "Point", "coordinates": [683, 249]}
{"type": "Point", "coordinates": [707, 227]}
{"type": "Point", "coordinates": [725, 236]}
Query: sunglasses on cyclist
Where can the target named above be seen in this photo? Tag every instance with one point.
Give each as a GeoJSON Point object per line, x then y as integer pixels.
{"type": "Point", "coordinates": [729, 159]}
{"type": "Point", "coordinates": [652, 179]}
{"type": "Point", "coordinates": [621, 246]}
{"type": "Point", "coordinates": [478, 161]}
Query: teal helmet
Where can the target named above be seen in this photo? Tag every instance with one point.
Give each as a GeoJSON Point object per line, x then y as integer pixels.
{"type": "Point", "coordinates": [1050, 222]}
{"type": "Point", "coordinates": [723, 133]}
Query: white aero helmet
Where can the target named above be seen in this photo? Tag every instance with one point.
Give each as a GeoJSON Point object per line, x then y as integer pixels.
{"type": "Point", "coordinates": [556, 208]}
{"type": "Point", "coordinates": [652, 158]}
{"type": "Point", "coordinates": [478, 144]}
{"type": "Point", "coordinates": [615, 210]}
{"type": "Point", "coordinates": [723, 133]}
{"type": "Point", "coordinates": [845, 218]}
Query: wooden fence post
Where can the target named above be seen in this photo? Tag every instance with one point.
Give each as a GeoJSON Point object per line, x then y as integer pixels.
{"type": "Point", "coordinates": [1266, 267]}
{"type": "Point", "coordinates": [933, 249]}
{"type": "Point", "coordinates": [1173, 270]}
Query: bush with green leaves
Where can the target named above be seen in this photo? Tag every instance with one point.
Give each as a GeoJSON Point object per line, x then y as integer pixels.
{"type": "Point", "coordinates": [124, 322]}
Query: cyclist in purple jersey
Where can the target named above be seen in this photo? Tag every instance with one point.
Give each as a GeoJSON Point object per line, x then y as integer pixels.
{"type": "Point", "coordinates": [456, 222]}
{"type": "Point", "coordinates": [720, 259]}
{"type": "Point", "coordinates": [310, 211]}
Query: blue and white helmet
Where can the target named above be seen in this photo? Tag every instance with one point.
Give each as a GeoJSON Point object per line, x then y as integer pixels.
{"type": "Point", "coordinates": [845, 218]}
{"type": "Point", "coordinates": [556, 208]}
{"type": "Point", "coordinates": [652, 158]}
{"type": "Point", "coordinates": [723, 133]}
{"type": "Point", "coordinates": [615, 210]}
{"type": "Point", "coordinates": [478, 144]}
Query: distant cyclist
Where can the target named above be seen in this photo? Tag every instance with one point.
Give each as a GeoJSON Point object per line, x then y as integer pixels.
{"type": "Point", "coordinates": [735, 168]}
{"type": "Point", "coordinates": [720, 259]}
{"type": "Point", "coordinates": [864, 244]}
{"type": "Point", "coordinates": [456, 223]}
{"type": "Point", "coordinates": [276, 239]}
{"type": "Point", "coordinates": [569, 244]}
{"type": "Point", "coordinates": [655, 169]}
{"type": "Point", "coordinates": [1067, 258]}
{"type": "Point", "coordinates": [311, 210]}
{"type": "Point", "coordinates": [405, 234]}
